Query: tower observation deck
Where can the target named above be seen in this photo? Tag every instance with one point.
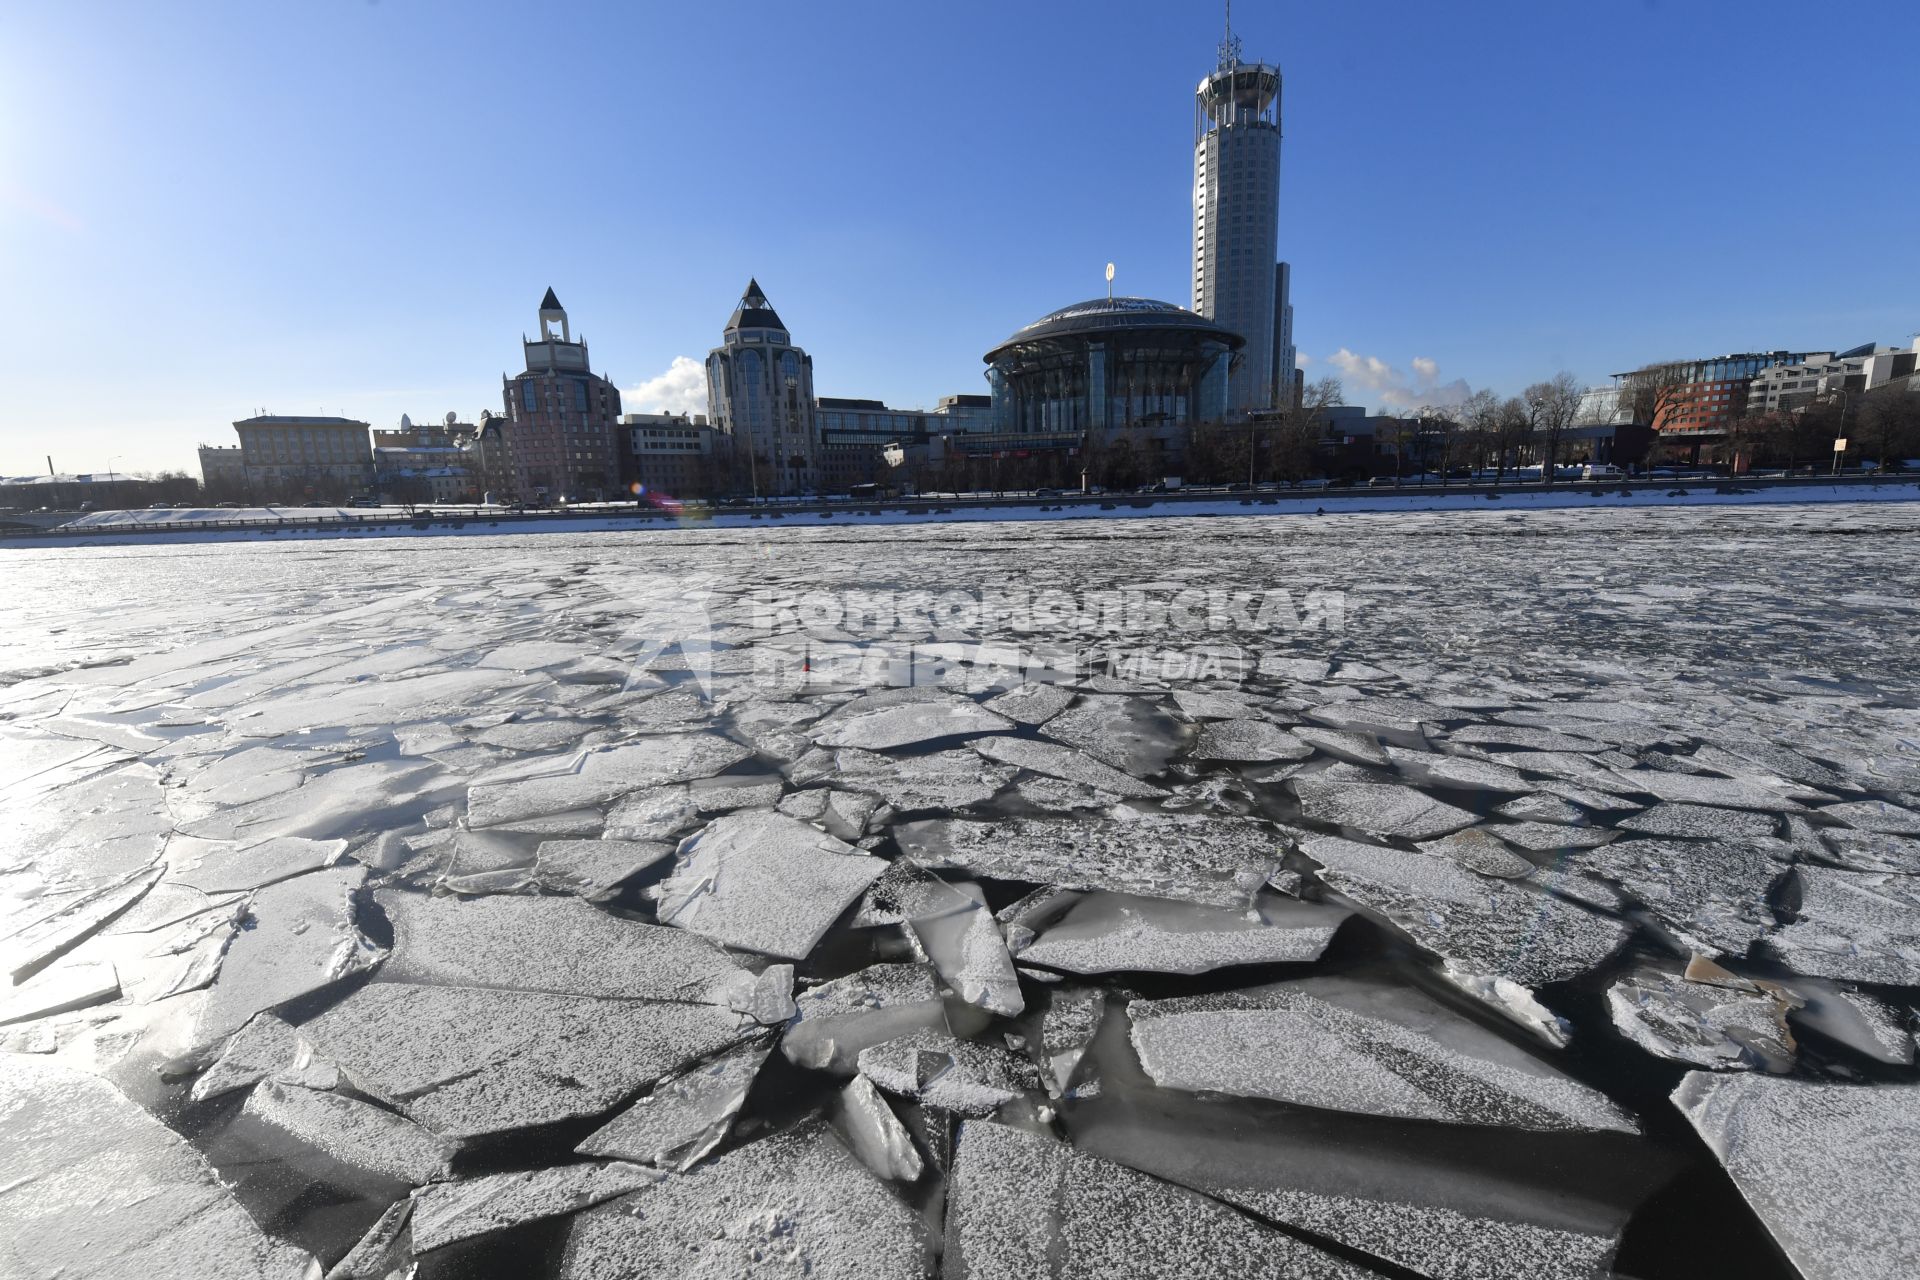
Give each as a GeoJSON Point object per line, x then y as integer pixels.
{"type": "Point", "coordinates": [1236, 212]}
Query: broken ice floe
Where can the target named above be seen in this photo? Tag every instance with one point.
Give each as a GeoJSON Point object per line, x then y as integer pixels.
{"type": "Point", "coordinates": [266, 1048]}
{"type": "Point", "coordinates": [1379, 808]}
{"type": "Point", "coordinates": [874, 1134]}
{"type": "Point", "coordinates": [533, 788]}
{"type": "Point", "coordinates": [1480, 849]}
{"type": "Point", "coordinates": [1128, 733]}
{"type": "Point", "coordinates": [763, 882]}
{"type": "Point", "coordinates": [1825, 1166]}
{"type": "Point", "coordinates": [298, 935]}
{"type": "Point", "coordinates": [448, 1212]}
{"type": "Point", "coordinates": [938, 780]}
{"type": "Point", "coordinates": [1857, 925]}
{"type": "Point", "coordinates": [1031, 703]}
{"type": "Point", "coordinates": [796, 1203]}
{"type": "Point", "coordinates": [1509, 929]}
{"type": "Point", "coordinates": [685, 1116]}
{"type": "Point", "coordinates": [1698, 821]}
{"type": "Point", "coordinates": [549, 944]}
{"type": "Point", "coordinates": [1250, 741]}
{"type": "Point", "coordinates": [892, 718]}
{"type": "Point", "coordinates": [966, 1077]}
{"type": "Point", "coordinates": [1113, 932]}
{"type": "Point", "coordinates": [1348, 1045]}
{"type": "Point", "coordinates": [1024, 1205]}
{"type": "Point", "coordinates": [352, 1132]}
{"type": "Point", "coordinates": [1715, 1020]}
{"type": "Point", "coordinates": [954, 929]}
{"type": "Point", "coordinates": [1875, 815]}
{"type": "Point", "coordinates": [836, 1020]}
{"type": "Point", "coordinates": [92, 1186]}
{"type": "Point", "coordinates": [1216, 861]}
{"type": "Point", "coordinates": [466, 1061]}
{"type": "Point", "coordinates": [595, 869]}
{"type": "Point", "coordinates": [1063, 762]}
{"type": "Point", "coordinates": [1711, 895]}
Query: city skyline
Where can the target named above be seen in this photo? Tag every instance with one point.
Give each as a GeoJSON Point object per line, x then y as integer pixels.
{"type": "Point", "coordinates": [348, 212]}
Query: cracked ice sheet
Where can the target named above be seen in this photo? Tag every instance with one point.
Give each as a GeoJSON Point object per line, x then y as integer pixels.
{"type": "Point", "coordinates": [561, 945]}
{"type": "Point", "coordinates": [1349, 1045]}
{"type": "Point", "coordinates": [763, 882]}
{"type": "Point", "coordinates": [966, 1077]}
{"type": "Point", "coordinates": [467, 1061]}
{"type": "Point", "coordinates": [558, 784]}
{"type": "Point", "coordinates": [838, 1019]}
{"type": "Point", "coordinates": [938, 780]}
{"type": "Point", "coordinates": [297, 936]}
{"type": "Point", "coordinates": [1829, 1168]}
{"type": "Point", "coordinates": [1856, 925]}
{"type": "Point", "coordinates": [896, 718]}
{"type": "Point", "coordinates": [1128, 733]}
{"type": "Point", "coordinates": [685, 1116]}
{"type": "Point", "coordinates": [91, 1185]}
{"type": "Point", "coordinates": [1379, 808]}
{"type": "Point", "coordinates": [1502, 928]}
{"type": "Point", "coordinates": [794, 1204]}
{"type": "Point", "coordinates": [1066, 763]}
{"type": "Point", "coordinates": [448, 1212]}
{"type": "Point", "coordinates": [1023, 1206]}
{"type": "Point", "coordinates": [1723, 1024]}
{"type": "Point", "coordinates": [1114, 932]}
{"type": "Point", "coordinates": [1213, 861]}
{"type": "Point", "coordinates": [352, 1132]}
{"type": "Point", "coordinates": [1712, 895]}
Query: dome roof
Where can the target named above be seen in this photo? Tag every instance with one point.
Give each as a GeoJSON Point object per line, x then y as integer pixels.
{"type": "Point", "coordinates": [1105, 315]}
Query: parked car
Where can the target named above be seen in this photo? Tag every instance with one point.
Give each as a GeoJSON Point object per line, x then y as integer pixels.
{"type": "Point", "coordinates": [1601, 471]}
{"type": "Point", "coordinates": [1383, 482]}
{"type": "Point", "coordinates": [1046, 493]}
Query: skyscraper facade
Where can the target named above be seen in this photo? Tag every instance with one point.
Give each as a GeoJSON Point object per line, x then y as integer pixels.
{"type": "Point", "coordinates": [563, 419]}
{"type": "Point", "coordinates": [1285, 355]}
{"type": "Point", "coordinates": [760, 394]}
{"type": "Point", "coordinates": [1236, 213]}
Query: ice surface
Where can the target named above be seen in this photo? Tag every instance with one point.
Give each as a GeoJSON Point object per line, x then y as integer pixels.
{"type": "Point", "coordinates": [385, 1252]}
{"type": "Point", "coordinates": [1067, 1029]}
{"type": "Point", "coordinates": [873, 1133]}
{"type": "Point", "coordinates": [965, 1077]}
{"type": "Point", "coordinates": [1344, 744]}
{"type": "Point", "coordinates": [1827, 1167]}
{"type": "Point", "coordinates": [1031, 703]}
{"type": "Point", "coordinates": [1027, 1206]}
{"type": "Point", "coordinates": [1215, 861]}
{"type": "Point", "coordinates": [297, 936]}
{"type": "Point", "coordinates": [67, 984]}
{"type": "Point", "coordinates": [1379, 808]}
{"type": "Point", "coordinates": [1720, 1025]}
{"type": "Point", "coordinates": [595, 869]}
{"type": "Point", "coordinates": [1543, 806]}
{"type": "Point", "coordinates": [685, 1116]}
{"type": "Point", "coordinates": [651, 813]}
{"type": "Point", "coordinates": [880, 722]}
{"type": "Point", "coordinates": [1699, 821]}
{"type": "Point", "coordinates": [938, 780]}
{"type": "Point", "coordinates": [465, 1061]}
{"type": "Point", "coordinates": [266, 1048]}
{"type": "Point", "coordinates": [351, 1131]}
{"type": "Point", "coordinates": [958, 933]}
{"type": "Point", "coordinates": [560, 945]}
{"type": "Point", "coordinates": [1114, 932]}
{"type": "Point", "coordinates": [840, 1018]}
{"type": "Point", "coordinates": [231, 868]}
{"type": "Point", "coordinates": [1499, 928]}
{"type": "Point", "coordinates": [1461, 773]}
{"type": "Point", "coordinates": [795, 1204]}
{"type": "Point", "coordinates": [1252, 741]}
{"type": "Point", "coordinates": [1702, 789]}
{"type": "Point", "coordinates": [1713, 896]}
{"type": "Point", "coordinates": [92, 1186]}
{"type": "Point", "coordinates": [1480, 849]}
{"type": "Point", "coordinates": [596, 776]}
{"type": "Point", "coordinates": [62, 929]}
{"type": "Point", "coordinates": [1865, 850]}
{"type": "Point", "coordinates": [763, 882]}
{"type": "Point", "coordinates": [1352, 1046]}
{"type": "Point", "coordinates": [1063, 762]}
{"type": "Point", "coordinates": [1549, 837]}
{"type": "Point", "coordinates": [1131, 734]}
{"type": "Point", "coordinates": [1875, 815]}
{"type": "Point", "coordinates": [448, 1212]}
{"type": "Point", "coordinates": [1857, 925]}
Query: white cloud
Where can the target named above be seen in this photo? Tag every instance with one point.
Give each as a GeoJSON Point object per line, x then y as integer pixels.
{"type": "Point", "coordinates": [1369, 379]}
{"type": "Point", "coordinates": [1301, 359]}
{"type": "Point", "coordinates": [681, 389]}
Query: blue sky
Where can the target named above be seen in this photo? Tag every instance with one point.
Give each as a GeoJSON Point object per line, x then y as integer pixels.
{"type": "Point", "coordinates": [354, 208]}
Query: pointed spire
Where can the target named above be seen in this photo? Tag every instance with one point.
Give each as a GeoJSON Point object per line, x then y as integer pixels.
{"type": "Point", "coordinates": [550, 303]}
{"type": "Point", "coordinates": [754, 311]}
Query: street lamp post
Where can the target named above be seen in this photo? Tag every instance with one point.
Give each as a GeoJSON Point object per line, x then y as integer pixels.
{"type": "Point", "coordinates": [1840, 434]}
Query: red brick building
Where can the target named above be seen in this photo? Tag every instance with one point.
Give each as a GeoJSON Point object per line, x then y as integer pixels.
{"type": "Point", "coordinates": [563, 420]}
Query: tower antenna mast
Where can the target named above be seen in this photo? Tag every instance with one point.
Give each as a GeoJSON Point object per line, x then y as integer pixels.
{"type": "Point", "coordinates": [1229, 47]}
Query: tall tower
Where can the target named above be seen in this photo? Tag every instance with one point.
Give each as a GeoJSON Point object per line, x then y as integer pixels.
{"type": "Point", "coordinates": [1236, 211]}
{"type": "Point", "coordinates": [562, 418]}
{"type": "Point", "coordinates": [760, 394]}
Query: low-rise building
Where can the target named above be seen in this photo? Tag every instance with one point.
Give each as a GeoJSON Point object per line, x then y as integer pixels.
{"type": "Point", "coordinates": [223, 471]}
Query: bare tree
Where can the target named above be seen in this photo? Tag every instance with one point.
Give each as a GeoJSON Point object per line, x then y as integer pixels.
{"type": "Point", "coordinates": [1552, 407]}
{"type": "Point", "coordinates": [1294, 448]}
{"type": "Point", "coordinates": [1440, 425]}
{"type": "Point", "coordinates": [1648, 393]}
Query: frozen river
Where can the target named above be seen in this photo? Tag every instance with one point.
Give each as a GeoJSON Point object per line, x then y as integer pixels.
{"type": "Point", "coordinates": [1450, 895]}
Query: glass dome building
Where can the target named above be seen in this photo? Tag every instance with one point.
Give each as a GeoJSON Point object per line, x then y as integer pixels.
{"type": "Point", "coordinates": [1110, 364]}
